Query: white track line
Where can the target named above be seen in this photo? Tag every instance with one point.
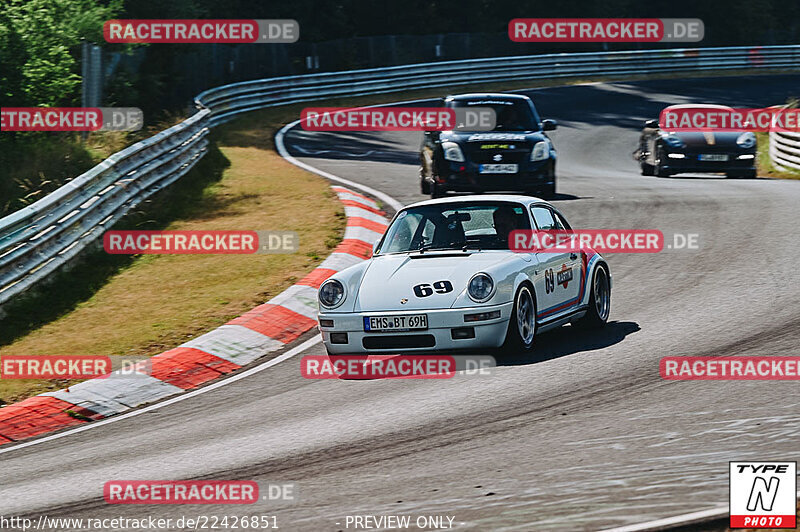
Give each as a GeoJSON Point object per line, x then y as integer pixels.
{"type": "Point", "coordinates": [219, 384]}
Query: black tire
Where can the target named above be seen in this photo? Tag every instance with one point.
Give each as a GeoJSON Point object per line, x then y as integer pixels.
{"type": "Point", "coordinates": [437, 191]}
{"type": "Point", "coordinates": [548, 192]}
{"type": "Point", "coordinates": [647, 169]}
{"type": "Point", "coordinates": [657, 169]}
{"type": "Point", "coordinates": [521, 338]}
{"type": "Point", "coordinates": [424, 186]}
{"type": "Point", "coordinates": [597, 314]}
{"type": "Point", "coordinates": [742, 174]}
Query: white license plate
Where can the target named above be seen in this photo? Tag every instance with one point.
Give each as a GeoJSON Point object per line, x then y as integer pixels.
{"type": "Point", "coordinates": [713, 157]}
{"type": "Point", "coordinates": [406, 322]}
{"type": "Point", "coordinates": [497, 168]}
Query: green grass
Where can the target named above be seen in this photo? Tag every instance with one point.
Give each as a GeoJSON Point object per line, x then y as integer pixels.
{"type": "Point", "coordinates": [764, 163]}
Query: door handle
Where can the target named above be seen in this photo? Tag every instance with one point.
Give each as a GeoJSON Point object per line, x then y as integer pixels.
{"type": "Point", "coordinates": [573, 256]}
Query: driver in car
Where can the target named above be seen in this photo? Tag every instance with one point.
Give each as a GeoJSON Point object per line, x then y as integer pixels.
{"type": "Point", "coordinates": [505, 221]}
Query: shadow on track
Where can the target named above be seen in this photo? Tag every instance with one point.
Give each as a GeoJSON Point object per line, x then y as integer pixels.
{"type": "Point", "coordinates": [350, 146]}
{"type": "Point", "coordinates": [570, 340]}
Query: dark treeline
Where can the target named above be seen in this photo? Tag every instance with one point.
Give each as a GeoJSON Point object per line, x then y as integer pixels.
{"type": "Point", "coordinates": [730, 22]}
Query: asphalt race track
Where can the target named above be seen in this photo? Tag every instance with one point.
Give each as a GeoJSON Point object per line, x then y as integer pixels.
{"type": "Point", "coordinates": [586, 435]}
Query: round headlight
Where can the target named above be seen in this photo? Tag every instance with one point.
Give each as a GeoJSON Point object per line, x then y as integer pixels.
{"type": "Point", "coordinates": [331, 293]}
{"type": "Point", "coordinates": [480, 288]}
{"type": "Point", "coordinates": [674, 140]}
{"type": "Point", "coordinates": [746, 140]}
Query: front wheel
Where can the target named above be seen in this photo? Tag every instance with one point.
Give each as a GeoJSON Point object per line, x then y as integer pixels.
{"type": "Point", "coordinates": [424, 186]}
{"type": "Point", "coordinates": [658, 170]}
{"type": "Point", "coordinates": [742, 174]}
{"type": "Point", "coordinates": [599, 301]}
{"type": "Point", "coordinates": [548, 191]}
{"type": "Point", "coordinates": [522, 325]}
{"type": "Point", "coordinates": [647, 169]}
{"type": "Point", "coordinates": [437, 191]}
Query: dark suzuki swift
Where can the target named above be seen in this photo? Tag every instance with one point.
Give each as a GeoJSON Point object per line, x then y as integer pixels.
{"type": "Point", "coordinates": [516, 156]}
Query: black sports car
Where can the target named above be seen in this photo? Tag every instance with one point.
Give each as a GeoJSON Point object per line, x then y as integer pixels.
{"type": "Point", "coordinates": [516, 156]}
{"type": "Point", "coordinates": [665, 153]}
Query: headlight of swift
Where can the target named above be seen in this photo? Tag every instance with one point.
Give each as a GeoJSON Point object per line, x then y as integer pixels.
{"type": "Point", "coordinates": [480, 287]}
{"type": "Point", "coordinates": [452, 152]}
{"type": "Point", "coordinates": [746, 140]}
{"type": "Point", "coordinates": [331, 293]}
{"type": "Point", "coordinates": [540, 152]}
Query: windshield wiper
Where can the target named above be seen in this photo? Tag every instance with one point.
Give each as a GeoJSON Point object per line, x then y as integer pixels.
{"type": "Point", "coordinates": [474, 240]}
{"type": "Point", "coordinates": [428, 246]}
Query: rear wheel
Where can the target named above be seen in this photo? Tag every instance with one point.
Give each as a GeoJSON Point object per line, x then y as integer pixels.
{"type": "Point", "coordinates": [599, 301]}
{"type": "Point", "coordinates": [522, 325]}
{"type": "Point", "coordinates": [647, 169]}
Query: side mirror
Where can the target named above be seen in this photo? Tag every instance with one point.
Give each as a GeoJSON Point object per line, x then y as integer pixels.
{"type": "Point", "coordinates": [549, 125]}
{"type": "Point", "coordinates": [433, 135]}
{"type": "Point", "coordinates": [651, 124]}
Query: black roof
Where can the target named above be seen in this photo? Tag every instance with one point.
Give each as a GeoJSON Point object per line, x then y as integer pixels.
{"type": "Point", "coordinates": [488, 96]}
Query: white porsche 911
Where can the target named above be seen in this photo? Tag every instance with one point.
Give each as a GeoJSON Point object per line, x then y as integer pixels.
{"type": "Point", "coordinates": [443, 278]}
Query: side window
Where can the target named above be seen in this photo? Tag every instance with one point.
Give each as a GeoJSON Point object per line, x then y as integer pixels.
{"type": "Point", "coordinates": [560, 222]}
{"type": "Point", "coordinates": [543, 218]}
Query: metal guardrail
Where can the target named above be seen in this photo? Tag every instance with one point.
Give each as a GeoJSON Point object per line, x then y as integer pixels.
{"type": "Point", "coordinates": [37, 240]}
{"type": "Point", "coordinates": [228, 101]}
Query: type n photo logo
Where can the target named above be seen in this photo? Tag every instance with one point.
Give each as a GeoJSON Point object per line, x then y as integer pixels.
{"type": "Point", "coordinates": [763, 494]}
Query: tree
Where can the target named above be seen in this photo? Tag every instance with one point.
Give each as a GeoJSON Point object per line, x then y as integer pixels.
{"type": "Point", "coordinates": [38, 44]}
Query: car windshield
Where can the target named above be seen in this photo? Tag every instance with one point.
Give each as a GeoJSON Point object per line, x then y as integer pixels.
{"type": "Point", "coordinates": [485, 225]}
{"type": "Point", "coordinates": [512, 115]}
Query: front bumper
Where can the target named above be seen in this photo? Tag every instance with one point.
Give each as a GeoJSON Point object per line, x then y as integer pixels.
{"type": "Point", "coordinates": [465, 177]}
{"type": "Point", "coordinates": [691, 163]}
{"type": "Point", "coordinates": [487, 334]}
